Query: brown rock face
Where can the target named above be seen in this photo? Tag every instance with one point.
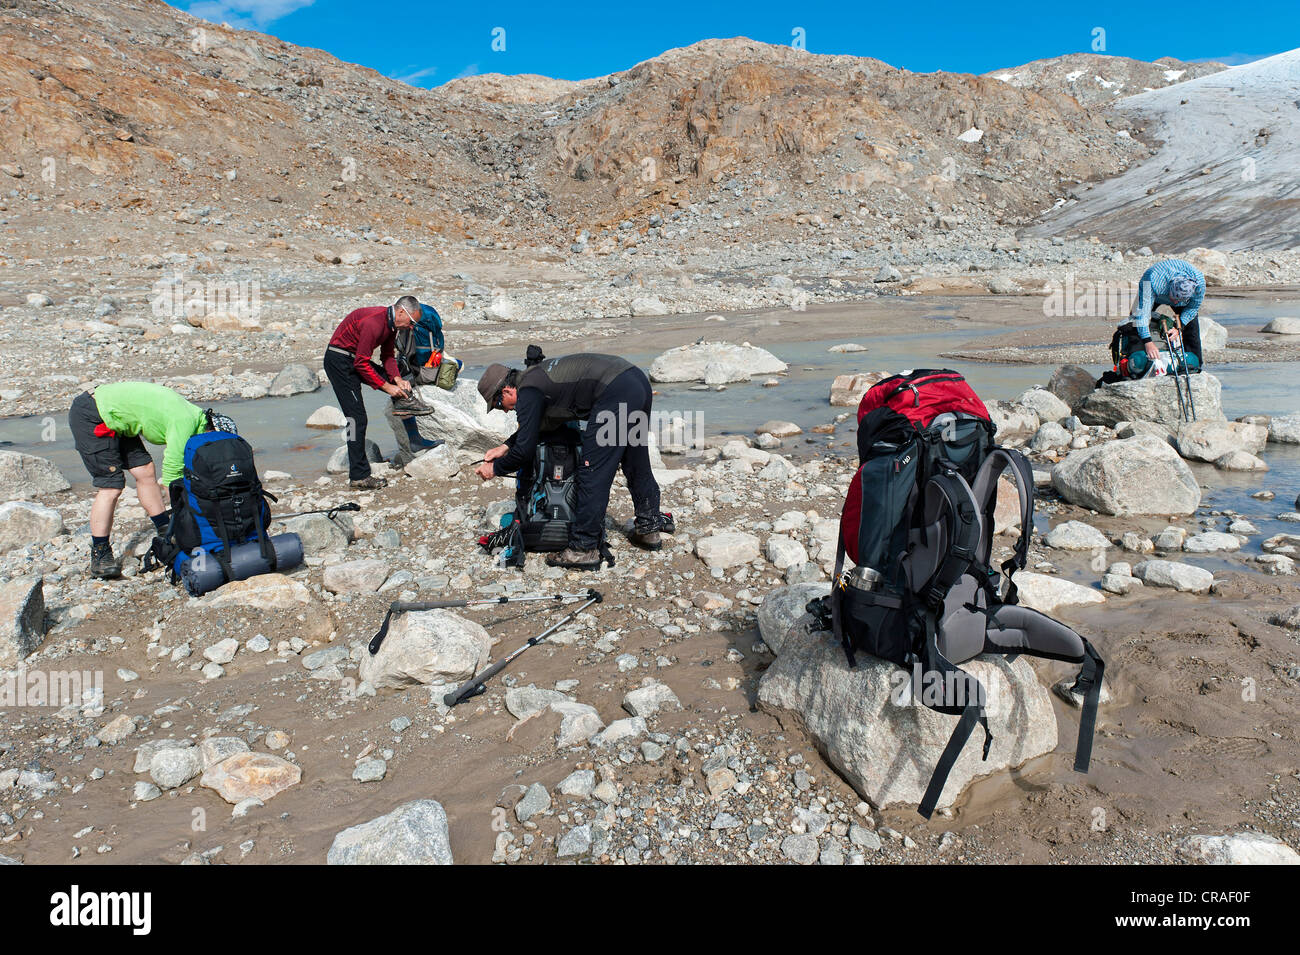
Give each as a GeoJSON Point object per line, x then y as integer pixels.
{"type": "Point", "coordinates": [151, 111]}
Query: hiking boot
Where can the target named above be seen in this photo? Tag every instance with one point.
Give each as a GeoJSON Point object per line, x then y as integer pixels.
{"type": "Point", "coordinates": [576, 559]}
{"type": "Point", "coordinates": [646, 540]}
{"type": "Point", "coordinates": [411, 405]}
{"type": "Point", "coordinates": [371, 483]}
{"type": "Point", "coordinates": [102, 564]}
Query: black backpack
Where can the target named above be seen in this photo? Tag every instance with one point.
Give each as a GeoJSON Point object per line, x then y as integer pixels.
{"type": "Point", "coordinates": [546, 501]}
{"type": "Point", "coordinates": [924, 593]}
{"type": "Point", "coordinates": [218, 503]}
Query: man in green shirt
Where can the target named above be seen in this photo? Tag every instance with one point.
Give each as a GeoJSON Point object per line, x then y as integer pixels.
{"type": "Point", "coordinates": [109, 429]}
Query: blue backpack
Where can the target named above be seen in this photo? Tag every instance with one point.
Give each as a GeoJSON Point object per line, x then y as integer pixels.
{"type": "Point", "coordinates": [218, 503]}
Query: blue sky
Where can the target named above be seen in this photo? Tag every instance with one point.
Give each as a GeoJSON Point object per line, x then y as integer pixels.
{"type": "Point", "coordinates": [429, 43]}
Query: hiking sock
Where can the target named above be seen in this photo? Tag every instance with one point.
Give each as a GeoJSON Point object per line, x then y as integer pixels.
{"type": "Point", "coordinates": [412, 429]}
{"type": "Point", "coordinates": [98, 543]}
{"type": "Point", "coordinates": [159, 521]}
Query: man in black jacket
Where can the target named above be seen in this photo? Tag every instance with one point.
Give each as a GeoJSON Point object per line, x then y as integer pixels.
{"type": "Point", "coordinates": [614, 397]}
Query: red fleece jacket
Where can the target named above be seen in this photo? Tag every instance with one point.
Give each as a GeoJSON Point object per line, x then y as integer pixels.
{"type": "Point", "coordinates": [361, 333]}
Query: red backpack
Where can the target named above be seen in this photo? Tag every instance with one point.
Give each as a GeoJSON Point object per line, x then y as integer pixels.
{"type": "Point", "coordinates": [899, 408]}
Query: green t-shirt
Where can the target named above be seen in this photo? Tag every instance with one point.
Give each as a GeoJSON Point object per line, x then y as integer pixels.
{"type": "Point", "coordinates": [157, 414]}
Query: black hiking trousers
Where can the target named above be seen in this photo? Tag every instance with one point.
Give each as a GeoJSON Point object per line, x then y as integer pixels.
{"type": "Point", "coordinates": [347, 386]}
{"type": "Point", "coordinates": [617, 434]}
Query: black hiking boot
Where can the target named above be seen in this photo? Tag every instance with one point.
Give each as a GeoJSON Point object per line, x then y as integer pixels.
{"type": "Point", "coordinates": [371, 483]}
{"type": "Point", "coordinates": [102, 564]}
{"type": "Point", "coordinates": [575, 559]}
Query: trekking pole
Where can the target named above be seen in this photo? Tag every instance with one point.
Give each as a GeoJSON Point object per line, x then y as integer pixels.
{"type": "Point", "coordinates": [399, 606]}
{"type": "Point", "coordinates": [475, 685]}
{"type": "Point", "coordinates": [327, 511]}
{"type": "Point", "coordinates": [1180, 354]}
{"type": "Point", "coordinates": [1178, 387]}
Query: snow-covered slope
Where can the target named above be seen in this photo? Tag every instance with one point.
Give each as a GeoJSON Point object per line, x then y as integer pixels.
{"type": "Point", "coordinates": [1227, 174]}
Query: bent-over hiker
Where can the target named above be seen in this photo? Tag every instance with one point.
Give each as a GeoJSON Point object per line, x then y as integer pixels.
{"type": "Point", "coordinates": [614, 397]}
{"type": "Point", "coordinates": [107, 428]}
{"type": "Point", "coordinates": [1179, 285]}
{"type": "Point", "coordinates": [349, 363]}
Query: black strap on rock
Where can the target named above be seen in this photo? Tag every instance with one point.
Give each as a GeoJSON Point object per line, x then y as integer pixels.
{"type": "Point", "coordinates": [1089, 684]}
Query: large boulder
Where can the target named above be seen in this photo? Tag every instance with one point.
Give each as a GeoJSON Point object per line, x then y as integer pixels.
{"type": "Point", "coordinates": [461, 419]}
{"type": "Point", "coordinates": [887, 748]}
{"type": "Point", "coordinates": [1012, 420]}
{"type": "Point", "coordinates": [320, 533]}
{"type": "Point", "coordinates": [1285, 429]}
{"type": "Point", "coordinates": [274, 594]}
{"type": "Point", "coordinates": [1072, 383]}
{"type": "Point", "coordinates": [1046, 404]}
{"type": "Point", "coordinates": [294, 380]}
{"type": "Point", "coordinates": [22, 619]}
{"type": "Point", "coordinates": [436, 464]}
{"type": "Point", "coordinates": [1211, 440]}
{"type": "Point", "coordinates": [784, 607]}
{"type": "Point", "coordinates": [1185, 578]}
{"type": "Point", "coordinates": [415, 833]}
{"type": "Point", "coordinates": [427, 647]}
{"type": "Point", "coordinates": [1152, 399]}
{"type": "Point", "coordinates": [1138, 475]}
{"type": "Point", "coordinates": [1283, 325]}
{"type": "Point", "coordinates": [25, 475]}
{"type": "Point", "coordinates": [23, 523]}
{"type": "Point", "coordinates": [1213, 264]}
{"type": "Point", "coordinates": [1214, 337]}
{"type": "Point", "coordinates": [718, 361]}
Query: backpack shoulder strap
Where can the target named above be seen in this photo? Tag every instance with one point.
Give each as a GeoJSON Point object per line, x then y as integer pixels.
{"type": "Point", "coordinates": [985, 490]}
{"type": "Point", "coordinates": [947, 499]}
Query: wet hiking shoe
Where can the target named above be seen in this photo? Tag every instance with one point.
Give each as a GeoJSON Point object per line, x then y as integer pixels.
{"type": "Point", "coordinates": [576, 559]}
{"type": "Point", "coordinates": [645, 536]}
{"type": "Point", "coordinates": [102, 564]}
{"type": "Point", "coordinates": [411, 405]}
{"type": "Point", "coordinates": [371, 483]}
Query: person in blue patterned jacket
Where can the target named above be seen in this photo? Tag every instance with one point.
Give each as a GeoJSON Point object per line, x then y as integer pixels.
{"type": "Point", "coordinates": [1179, 285]}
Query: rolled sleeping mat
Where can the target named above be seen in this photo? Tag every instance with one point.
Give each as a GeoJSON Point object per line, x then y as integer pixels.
{"type": "Point", "coordinates": [200, 576]}
{"type": "Point", "coordinates": [246, 560]}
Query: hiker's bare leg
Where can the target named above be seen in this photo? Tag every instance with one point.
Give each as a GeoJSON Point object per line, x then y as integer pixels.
{"type": "Point", "coordinates": [147, 489]}
{"type": "Point", "coordinates": [101, 510]}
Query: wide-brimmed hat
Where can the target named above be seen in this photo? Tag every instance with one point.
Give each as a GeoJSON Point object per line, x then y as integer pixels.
{"type": "Point", "coordinates": [490, 385]}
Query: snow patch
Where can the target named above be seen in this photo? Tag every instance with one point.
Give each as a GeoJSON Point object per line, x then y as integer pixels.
{"type": "Point", "coordinates": [972, 135]}
{"type": "Point", "coordinates": [1172, 75]}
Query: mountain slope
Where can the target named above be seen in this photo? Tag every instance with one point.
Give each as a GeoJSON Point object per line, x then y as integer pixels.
{"type": "Point", "coordinates": [1226, 175]}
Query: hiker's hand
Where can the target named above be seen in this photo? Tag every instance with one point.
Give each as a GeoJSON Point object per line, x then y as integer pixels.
{"type": "Point", "coordinates": [486, 471]}
{"type": "Point", "coordinates": [403, 386]}
{"type": "Point", "coordinates": [391, 390]}
{"type": "Point", "coordinates": [493, 453]}
{"type": "Point", "coordinates": [1153, 352]}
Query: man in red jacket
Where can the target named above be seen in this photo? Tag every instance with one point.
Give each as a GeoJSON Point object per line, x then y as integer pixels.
{"type": "Point", "coordinates": [349, 362]}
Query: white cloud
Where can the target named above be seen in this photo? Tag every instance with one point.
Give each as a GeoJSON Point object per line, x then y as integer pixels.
{"type": "Point", "coordinates": [245, 14]}
{"type": "Point", "coordinates": [415, 77]}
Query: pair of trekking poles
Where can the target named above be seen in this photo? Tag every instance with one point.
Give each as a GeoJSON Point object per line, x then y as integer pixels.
{"type": "Point", "coordinates": [1182, 376]}
{"type": "Point", "coordinates": [476, 684]}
